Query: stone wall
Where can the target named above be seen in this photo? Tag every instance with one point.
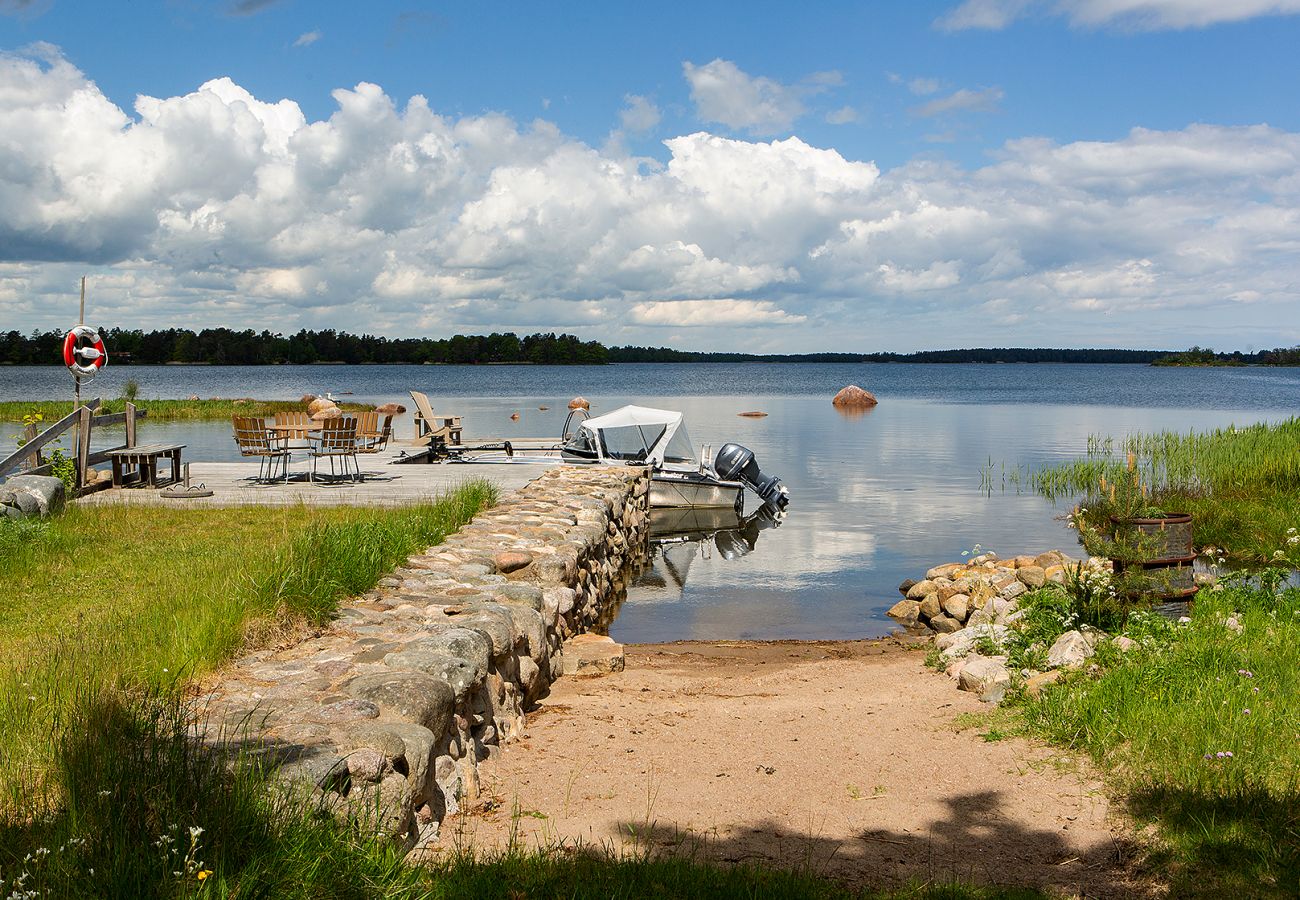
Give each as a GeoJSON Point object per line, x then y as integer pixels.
{"type": "Point", "coordinates": [385, 715]}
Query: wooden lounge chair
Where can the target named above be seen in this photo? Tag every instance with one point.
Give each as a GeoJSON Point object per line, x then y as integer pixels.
{"type": "Point", "coordinates": [373, 437]}
{"type": "Point", "coordinates": [337, 440]}
{"type": "Point", "coordinates": [254, 440]}
{"type": "Point", "coordinates": [442, 430]}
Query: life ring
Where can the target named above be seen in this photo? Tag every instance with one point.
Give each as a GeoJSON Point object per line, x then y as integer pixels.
{"type": "Point", "coordinates": [83, 352]}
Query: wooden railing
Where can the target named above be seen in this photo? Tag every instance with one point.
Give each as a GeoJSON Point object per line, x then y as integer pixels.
{"type": "Point", "coordinates": [84, 420]}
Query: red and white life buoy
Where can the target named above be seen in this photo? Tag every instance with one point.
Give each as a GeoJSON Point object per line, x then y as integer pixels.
{"type": "Point", "coordinates": [83, 352]}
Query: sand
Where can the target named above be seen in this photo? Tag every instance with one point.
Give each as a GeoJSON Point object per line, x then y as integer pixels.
{"type": "Point", "coordinates": [847, 758]}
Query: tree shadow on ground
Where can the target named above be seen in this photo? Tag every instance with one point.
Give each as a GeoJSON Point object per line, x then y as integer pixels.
{"type": "Point", "coordinates": [1245, 844]}
{"type": "Point", "coordinates": [975, 842]}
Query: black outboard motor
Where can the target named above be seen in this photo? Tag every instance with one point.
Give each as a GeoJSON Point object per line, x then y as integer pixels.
{"type": "Point", "coordinates": [736, 463]}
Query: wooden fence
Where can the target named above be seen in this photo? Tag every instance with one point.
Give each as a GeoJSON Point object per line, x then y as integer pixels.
{"type": "Point", "coordinates": [30, 459]}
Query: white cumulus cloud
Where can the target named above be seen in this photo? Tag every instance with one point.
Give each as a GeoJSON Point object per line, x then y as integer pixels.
{"type": "Point", "coordinates": [963, 100]}
{"type": "Point", "coordinates": [725, 94]}
{"type": "Point", "coordinates": [219, 208]}
{"type": "Point", "coordinates": [640, 114]}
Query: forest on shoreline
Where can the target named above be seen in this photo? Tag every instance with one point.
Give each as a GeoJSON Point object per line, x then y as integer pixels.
{"type": "Point", "coordinates": [225, 346]}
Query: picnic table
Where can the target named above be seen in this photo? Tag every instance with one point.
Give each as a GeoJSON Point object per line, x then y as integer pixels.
{"type": "Point", "coordinates": [140, 463]}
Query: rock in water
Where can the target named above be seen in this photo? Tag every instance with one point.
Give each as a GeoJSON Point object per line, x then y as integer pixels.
{"type": "Point", "coordinates": [906, 612]}
{"type": "Point", "coordinates": [316, 404]}
{"type": "Point", "coordinates": [579, 403]}
{"type": "Point", "coordinates": [854, 397]}
{"type": "Point", "coordinates": [753, 414]}
{"type": "Point", "coordinates": [514, 417]}
{"type": "Point", "coordinates": [328, 412]}
{"type": "Point", "coordinates": [390, 409]}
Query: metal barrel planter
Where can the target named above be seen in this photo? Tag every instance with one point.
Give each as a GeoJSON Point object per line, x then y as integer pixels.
{"type": "Point", "coordinates": [1163, 567]}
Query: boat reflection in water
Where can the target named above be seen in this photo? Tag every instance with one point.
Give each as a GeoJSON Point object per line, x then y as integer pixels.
{"type": "Point", "coordinates": [680, 536]}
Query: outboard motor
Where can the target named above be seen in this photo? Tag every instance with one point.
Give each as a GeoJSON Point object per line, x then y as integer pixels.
{"type": "Point", "coordinates": [736, 463]}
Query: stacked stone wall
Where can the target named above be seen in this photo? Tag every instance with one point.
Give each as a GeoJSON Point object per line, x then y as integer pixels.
{"type": "Point", "coordinates": [385, 715]}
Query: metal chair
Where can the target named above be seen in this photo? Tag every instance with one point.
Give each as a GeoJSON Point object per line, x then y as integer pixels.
{"type": "Point", "coordinates": [254, 440]}
{"type": "Point", "coordinates": [337, 440]}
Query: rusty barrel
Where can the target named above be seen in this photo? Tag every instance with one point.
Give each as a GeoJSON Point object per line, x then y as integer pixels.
{"type": "Point", "coordinates": [1164, 570]}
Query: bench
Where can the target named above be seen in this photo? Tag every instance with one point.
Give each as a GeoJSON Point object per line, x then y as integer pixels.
{"type": "Point", "coordinates": [143, 459]}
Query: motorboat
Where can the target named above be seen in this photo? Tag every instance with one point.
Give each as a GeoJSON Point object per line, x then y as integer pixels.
{"type": "Point", "coordinates": [636, 436]}
{"type": "Point", "coordinates": [640, 435]}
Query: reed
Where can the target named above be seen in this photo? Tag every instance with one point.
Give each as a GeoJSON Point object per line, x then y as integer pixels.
{"type": "Point", "coordinates": [1242, 485]}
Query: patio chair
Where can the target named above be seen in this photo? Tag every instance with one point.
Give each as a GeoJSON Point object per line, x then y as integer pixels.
{"type": "Point", "coordinates": [254, 440]}
{"type": "Point", "coordinates": [373, 437]}
{"type": "Point", "coordinates": [301, 423]}
{"type": "Point", "coordinates": [337, 440]}
{"type": "Point", "coordinates": [444, 429]}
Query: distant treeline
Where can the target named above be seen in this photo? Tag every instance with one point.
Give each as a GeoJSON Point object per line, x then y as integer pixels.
{"type": "Point", "coordinates": [226, 347]}
{"type": "Point", "coordinates": [981, 355]}
{"type": "Point", "coordinates": [1204, 356]}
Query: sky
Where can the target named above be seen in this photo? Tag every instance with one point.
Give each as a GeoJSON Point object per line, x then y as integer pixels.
{"type": "Point", "coordinates": [763, 177]}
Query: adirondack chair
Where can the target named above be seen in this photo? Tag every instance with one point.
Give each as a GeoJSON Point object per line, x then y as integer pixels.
{"type": "Point", "coordinates": [437, 430]}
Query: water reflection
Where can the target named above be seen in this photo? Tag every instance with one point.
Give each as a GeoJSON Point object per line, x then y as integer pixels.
{"type": "Point", "coordinates": [679, 536]}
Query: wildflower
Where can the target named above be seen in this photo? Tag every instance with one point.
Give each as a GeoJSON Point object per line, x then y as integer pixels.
{"type": "Point", "coordinates": [203, 874]}
{"type": "Point", "coordinates": [1245, 673]}
{"type": "Point", "coordinates": [1278, 554]}
{"type": "Point", "coordinates": [1246, 711]}
{"type": "Point", "coordinates": [195, 831]}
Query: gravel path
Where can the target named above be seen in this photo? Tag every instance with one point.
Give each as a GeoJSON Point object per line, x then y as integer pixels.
{"type": "Point", "coordinates": [840, 756]}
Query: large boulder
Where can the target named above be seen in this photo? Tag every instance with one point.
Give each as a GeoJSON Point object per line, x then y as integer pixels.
{"type": "Point", "coordinates": [906, 612]}
{"type": "Point", "coordinates": [316, 404]}
{"type": "Point", "coordinates": [390, 409]}
{"type": "Point", "coordinates": [980, 673]}
{"type": "Point", "coordinates": [33, 495]}
{"type": "Point", "coordinates": [854, 397]}
{"type": "Point", "coordinates": [1069, 651]}
{"type": "Point", "coordinates": [579, 403]}
{"type": "Point", "coordinates": [329, 412]}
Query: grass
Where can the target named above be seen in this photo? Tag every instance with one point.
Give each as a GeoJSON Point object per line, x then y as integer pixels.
{"type": "Point", "coordinates": [164, 410]}
{"type": "Point", "coordinates": [1242, 485]}
{"type": "Point", "coordinates": [1199, 729]}
{"type": "Point", "coordinates": [110, 596]}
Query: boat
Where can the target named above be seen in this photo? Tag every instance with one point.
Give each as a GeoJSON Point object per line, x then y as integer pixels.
{"type": "Point", "coordinates": [638, 436]}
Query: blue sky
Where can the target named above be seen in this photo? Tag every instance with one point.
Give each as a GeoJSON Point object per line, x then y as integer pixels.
{"type": "Point", "coordinates": [833, 176]}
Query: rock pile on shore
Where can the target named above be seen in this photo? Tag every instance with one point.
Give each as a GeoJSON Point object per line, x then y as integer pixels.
{"type": "Point", "coordinates": [980, 591]}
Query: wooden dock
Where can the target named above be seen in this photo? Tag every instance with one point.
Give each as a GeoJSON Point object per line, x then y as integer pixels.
{"type": "Point", "coordinates": [385, 483]}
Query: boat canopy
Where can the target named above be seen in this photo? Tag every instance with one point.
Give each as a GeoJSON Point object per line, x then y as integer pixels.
{"type": "Point", "coordinates": [634, 434]}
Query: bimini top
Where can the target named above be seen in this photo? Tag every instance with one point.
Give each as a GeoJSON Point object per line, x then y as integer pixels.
{"type": "Point", "coordinates": [632, 434]}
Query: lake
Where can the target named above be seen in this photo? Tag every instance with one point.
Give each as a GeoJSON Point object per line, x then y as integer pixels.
{"type": "Point", "coordinates": [876, 498]}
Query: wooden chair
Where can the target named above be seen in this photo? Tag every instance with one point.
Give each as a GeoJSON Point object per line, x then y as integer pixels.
{"type": "Point", "coordinates": [254, 440]}
{"type": "Point", "coordinates": [444, 429]}
{"type": "Point", "coordinates": [300, 422]}
{"type": "Point", "coordinates": [337, 440]}
{"type": "Point", "coordinates": [375, 437]}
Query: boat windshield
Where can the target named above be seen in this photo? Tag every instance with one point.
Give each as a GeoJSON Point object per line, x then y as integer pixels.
{"type": "Point", "coordinates": [630, 442]}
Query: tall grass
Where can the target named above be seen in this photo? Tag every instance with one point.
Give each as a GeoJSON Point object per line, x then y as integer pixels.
{"type": "Point", "coordinates": [108, 596]}
{"type": "Point", "coordinates": [1242, 485]}
{"type": "Point", "coordinates": [1201, 732]}
{"type": "Point", "coordinates": [164, 410]}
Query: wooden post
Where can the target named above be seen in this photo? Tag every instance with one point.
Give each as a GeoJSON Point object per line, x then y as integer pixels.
{"type": "Point", "coordinates": [83, 444]}
{"type": "Point", "coordinates": [29, 435]}
{"type": "Point", "coordinates": [130, 424]}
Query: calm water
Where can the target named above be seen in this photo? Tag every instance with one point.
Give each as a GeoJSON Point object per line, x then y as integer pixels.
{"type": "Point", "coordinates": [876, 498]}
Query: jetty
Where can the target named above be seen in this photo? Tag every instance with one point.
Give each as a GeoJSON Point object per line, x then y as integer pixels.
{"type": "Point", "coordinates": [383, 483]}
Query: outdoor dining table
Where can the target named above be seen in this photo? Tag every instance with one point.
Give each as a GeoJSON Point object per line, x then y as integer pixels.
{"type": "Point", "coordinates": [285, 432]}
